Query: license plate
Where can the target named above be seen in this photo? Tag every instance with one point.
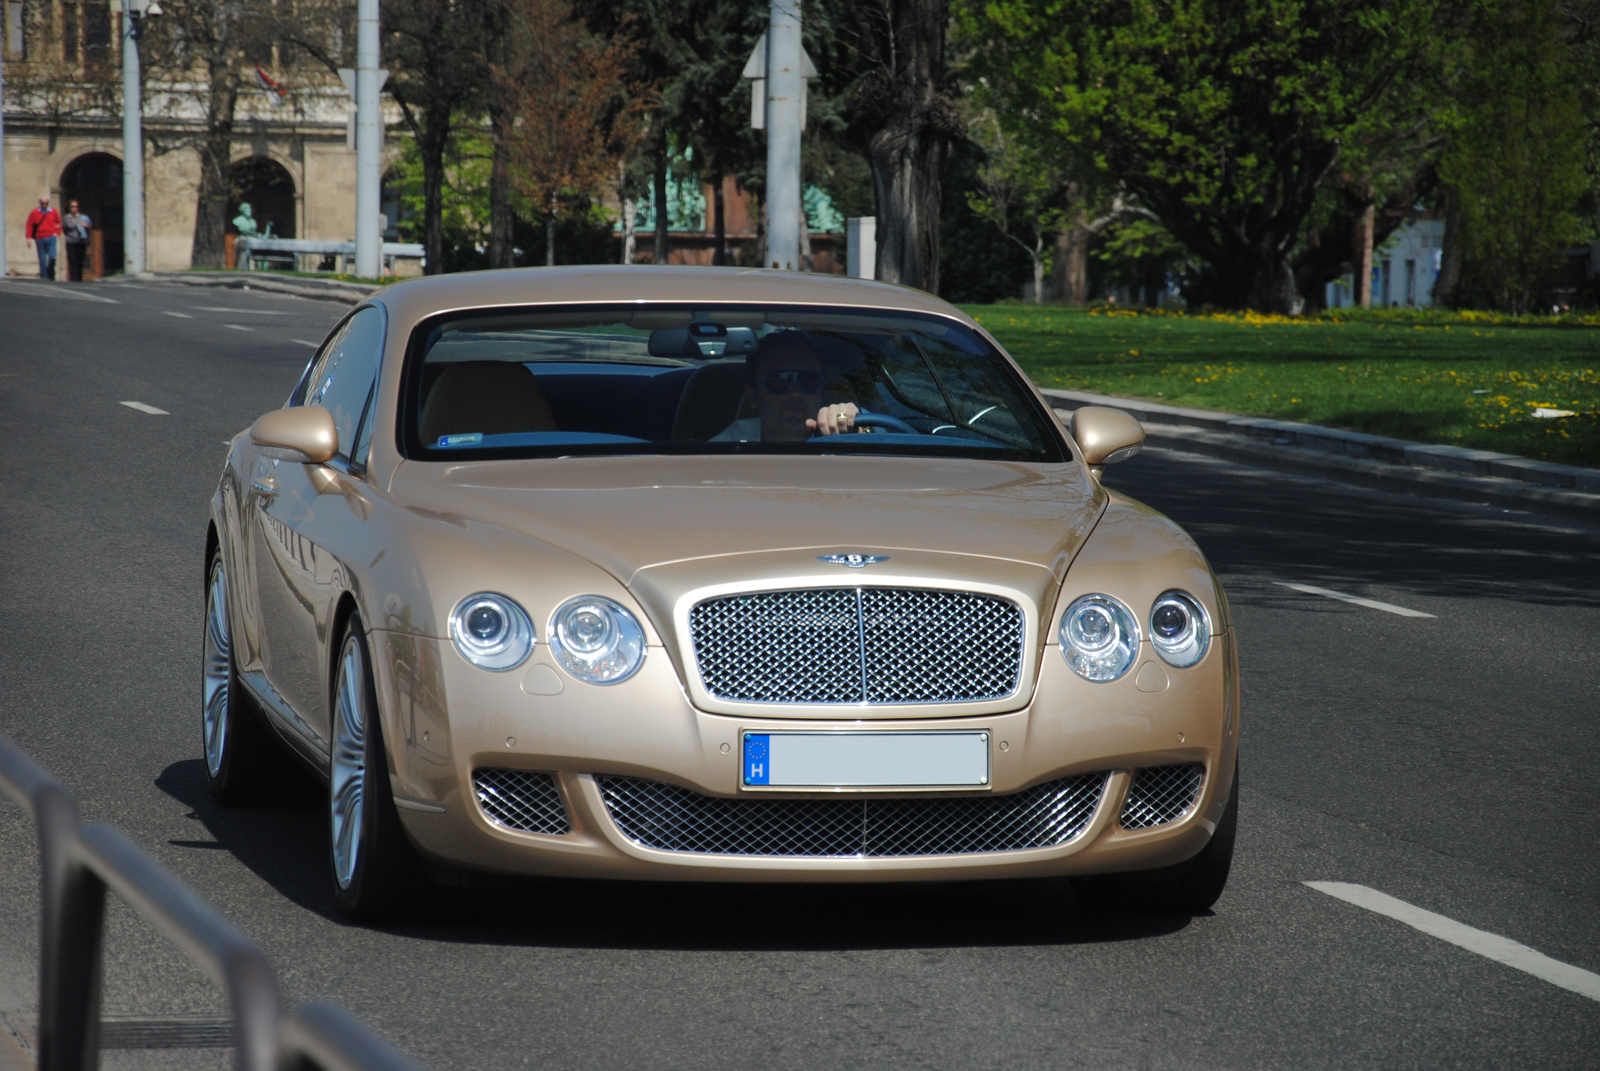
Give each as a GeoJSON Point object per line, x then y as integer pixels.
{"type": "Point", "coordinates": [866, 760]}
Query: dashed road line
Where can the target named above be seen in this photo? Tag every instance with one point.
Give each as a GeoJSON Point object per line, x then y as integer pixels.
{"type": "Point", "coordinates": [1371, 604]}
{"type": "Point", "coordinates": [303, 342]}
{"type": "Point", "coordinates": [143, 408]}
{"type": "Point", "coordinates": [179, 315]}
{"type": "Point", "coordinates": [1490, 945]}
{"type": "Point", "coordinates": [248, 312]}
{"type": "Point", "coordinates": [69, 291]}
{"type": "Point", "coordinates": [236, 327]}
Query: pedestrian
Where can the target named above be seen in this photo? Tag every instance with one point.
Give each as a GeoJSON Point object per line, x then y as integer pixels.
{"type": "Point", "coordinates": [75, 227]}
{"type": "Point", "coordinates": [44, 223]}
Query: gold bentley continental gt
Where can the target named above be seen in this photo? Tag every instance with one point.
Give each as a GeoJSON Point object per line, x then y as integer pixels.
{"type": "Point", "coordinates": [710, 575]}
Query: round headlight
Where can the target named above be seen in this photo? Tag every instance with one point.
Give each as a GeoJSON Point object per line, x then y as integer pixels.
{"type": "Point", "coordinates": [596, 640]}
{"type": "Point", "coordinates": [1099, 638]}
{"type": "Point", "coordinates": [491, 631]}
{"type": "Point", "coordinates": [1179, 630]}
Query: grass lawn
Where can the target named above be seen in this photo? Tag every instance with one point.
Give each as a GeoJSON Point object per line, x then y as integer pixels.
{"type": "Point", "coordinates": [1464, 379]}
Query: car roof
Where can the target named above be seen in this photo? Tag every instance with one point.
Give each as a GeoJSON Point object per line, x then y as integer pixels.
{"type": "Point", "coordinates": [415, 299]}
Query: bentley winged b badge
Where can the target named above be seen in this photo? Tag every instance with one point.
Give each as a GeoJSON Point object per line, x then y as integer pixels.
{"type": "Point", "coordinates": [853, 561]}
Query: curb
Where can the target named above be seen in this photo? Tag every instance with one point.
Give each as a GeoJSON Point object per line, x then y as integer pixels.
{"type": "Point", "coordinates": [1452, 472]}
{"type": "Point", "coordinates": [322, 289]}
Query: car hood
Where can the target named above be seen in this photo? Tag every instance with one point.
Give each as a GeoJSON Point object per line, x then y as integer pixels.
{"type": "Point", "coordinates": [667, 528]}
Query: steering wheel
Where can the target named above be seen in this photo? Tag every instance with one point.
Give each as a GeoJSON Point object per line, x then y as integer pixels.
{"type": "Point", "coordinates": [884, 420]}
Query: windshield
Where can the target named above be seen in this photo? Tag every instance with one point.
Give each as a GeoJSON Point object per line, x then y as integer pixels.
{"type": "Point", "coordinates": [647, 378]}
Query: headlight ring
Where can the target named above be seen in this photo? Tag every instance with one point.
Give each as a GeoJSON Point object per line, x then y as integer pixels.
{"type": "Point", "coordinates": [1099, 638]}
{"type": "Point", "coordinates": [491, 631]}
{"type": "Point", "coordinates": [1180, 631]}
{"type": "Point", "coordinates": [596, 640]}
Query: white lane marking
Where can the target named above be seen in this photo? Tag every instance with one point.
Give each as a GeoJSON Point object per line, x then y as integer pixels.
{"type": "Point", "coordinates": [70, 291]}
{"type": "Point", "coordinates": [236, 327]}
{"type": "Point", "coordinates": [179, 315]}
{"type": "Point", "coordinates": [251, 312]}
{"type": "Point", "coordinates": [1371, 604]}
{"type": "Point", "coordinates": [1491, 945]}
{"type": "Point", "coordinates": [152, 410]}
{"type": "Point", "coordinates": [303, 342]}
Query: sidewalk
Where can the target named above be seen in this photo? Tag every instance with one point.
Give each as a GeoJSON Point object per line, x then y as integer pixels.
{"type": "Point", "coordinates": [1453, 472]}
{"type": "Point", "coordinates": [325, 289]}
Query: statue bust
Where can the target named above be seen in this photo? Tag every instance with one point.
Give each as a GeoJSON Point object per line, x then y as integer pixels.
{"type": "Point", "coordinates": [245, 222]}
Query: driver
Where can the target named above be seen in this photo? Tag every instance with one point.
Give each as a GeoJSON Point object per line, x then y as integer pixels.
{"type": "Point", "coordinates": [783, 384]}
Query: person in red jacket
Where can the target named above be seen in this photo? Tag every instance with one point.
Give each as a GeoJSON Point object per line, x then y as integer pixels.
{"type": "Point", "coordinates": [44, 224]}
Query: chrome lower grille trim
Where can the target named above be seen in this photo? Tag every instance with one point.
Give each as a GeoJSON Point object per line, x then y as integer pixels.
{"type": "Point", "coordinates": [521, 800]}
{"type": "Point", "coordinates": [1161, 794]}
{"type": "Point", "coordinates": [673, 819]}
{"type": "Point", "coordinates": [858, 645]}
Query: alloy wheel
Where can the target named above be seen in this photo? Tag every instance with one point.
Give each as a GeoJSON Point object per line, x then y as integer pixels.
{"type": "Point", "coordinates": [347, 781]}
{"type": "Point", "coordinates": [216, 670]}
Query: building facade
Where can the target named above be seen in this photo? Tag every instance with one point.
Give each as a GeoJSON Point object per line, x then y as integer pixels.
{"type": "Point", "coordinates": [293, 157]}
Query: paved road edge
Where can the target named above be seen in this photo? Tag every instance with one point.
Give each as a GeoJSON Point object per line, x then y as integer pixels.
{"type": "Point", "coordinates": [1456, 473]}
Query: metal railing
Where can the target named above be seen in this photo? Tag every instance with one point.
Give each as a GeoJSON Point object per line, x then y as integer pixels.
{"type": "Point", "coordinates": [78, 865]}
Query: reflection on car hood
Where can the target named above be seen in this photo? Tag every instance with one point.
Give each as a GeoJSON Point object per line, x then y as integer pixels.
{"type": "Point", "coordinates": [636, 513]}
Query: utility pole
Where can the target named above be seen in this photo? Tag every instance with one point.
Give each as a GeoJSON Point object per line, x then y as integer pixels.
{"type": "Point", "coordinates": [5, 47]}
{"type": "Point", "coordinates": [785, 119]}
{"type": "Point", "coordinates": [133, 12]}
{"type": "Point", "coordinates": [369, 141]}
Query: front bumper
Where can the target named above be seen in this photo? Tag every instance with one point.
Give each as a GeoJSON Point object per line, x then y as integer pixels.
{"type": "Point", "coordinates": [446, 719]}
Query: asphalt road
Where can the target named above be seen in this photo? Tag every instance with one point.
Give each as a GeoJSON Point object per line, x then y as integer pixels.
{"type": "Point", "coordinates": [1449, 762]}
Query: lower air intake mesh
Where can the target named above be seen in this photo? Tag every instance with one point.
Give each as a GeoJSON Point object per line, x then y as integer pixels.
{"type": "Point", "coordinates": [517, 799]}
{"type": "Point", "coordinates": [674, 819]}
{"type": "Point", "coordinates": [1161, 794]}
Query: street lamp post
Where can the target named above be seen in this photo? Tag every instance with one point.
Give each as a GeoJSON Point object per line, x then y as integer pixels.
{"type": "Point", "coordinates": [133, 12]}
{"type": "Point", "coordinates": [369, 141]}
{"type": "Point", "coordinates": [784, 121]}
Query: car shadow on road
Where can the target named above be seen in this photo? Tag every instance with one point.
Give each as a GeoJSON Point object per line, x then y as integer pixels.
{"type": "Point", "coordinates": [285, 846]}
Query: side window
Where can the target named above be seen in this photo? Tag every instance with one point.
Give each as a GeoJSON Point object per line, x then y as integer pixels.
{"type": "Point", "coordinates": [343, 376]}
{"type": "Point", "coordinates": [318, 359]}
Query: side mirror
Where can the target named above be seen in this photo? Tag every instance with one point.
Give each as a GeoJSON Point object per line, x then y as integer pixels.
{"type": "Point", "coordinates": [1106, 436]}
{"type": "Point", "coordinates": [304, 433]}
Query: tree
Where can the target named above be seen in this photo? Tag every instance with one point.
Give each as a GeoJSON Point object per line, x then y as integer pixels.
{"type": "Point", "coordinates": [904, 117]}
{"type": "Point", "coordinates": [433, 51]}
{"type": "Point", "coordinates": [562, 83]}
{"type": "Point", "coordinates": [1223, 117]}
{"type": "Point", "coordinates": [1020, 189]}
{"type": "Point", "coordinates": [1515, 166]}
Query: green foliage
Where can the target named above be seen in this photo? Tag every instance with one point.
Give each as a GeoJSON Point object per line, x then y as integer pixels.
{"type": "Point", "coordinates": [1224, 117]}
{"type": "Point", "coordinates": [1515, 165]}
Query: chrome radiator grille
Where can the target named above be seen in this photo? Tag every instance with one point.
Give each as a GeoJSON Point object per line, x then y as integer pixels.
{"type": "Point", "coordinates": [520, 800]}
{"type": "Point", "coordinates": [674, 819]}
{"type": "Point", "coordinates": [1161, 794]}
{"type": "Point", "coordinates": [858, 645]}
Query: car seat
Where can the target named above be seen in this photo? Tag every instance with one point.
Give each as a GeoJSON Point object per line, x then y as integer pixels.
{"type": "Point", "coordinates": [489, 397]}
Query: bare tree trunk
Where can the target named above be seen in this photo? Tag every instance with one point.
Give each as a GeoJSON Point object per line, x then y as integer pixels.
{"type": "Point", "coordinates": [1036, 254]}
{"type": "Point", "coordinates": [432, 148]}
{"type": "Point", "coordinates": [662, 221]}
{"type": "Point", "coordinates": [1364, 252]}
{"type": "Point", "coordinates": [1070, 270]}
{"type": "Point", "coordinates": [550, 233]}
{"type": "Point", "coordinates": [630, 236]}
{"type": "Point", "coordinates": [1451, 256]}
{"type": "Point", "coordinates": [502, 252]}
{"type": "Point", "coordinates": [719, 225]}
{"type": "Point", "coordinates": [906, 123]}
{"type": "Point", "coordinates": [805, 240]}
{"type": "Point", "coordinates": [216, 147]}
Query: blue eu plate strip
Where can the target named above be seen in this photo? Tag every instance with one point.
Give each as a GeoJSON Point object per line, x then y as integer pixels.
{"type": "Point", "coordinates": [757, 759]}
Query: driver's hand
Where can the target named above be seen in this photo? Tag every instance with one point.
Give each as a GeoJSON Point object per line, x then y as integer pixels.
{"type": "Point", "coordinates": [835, 419]}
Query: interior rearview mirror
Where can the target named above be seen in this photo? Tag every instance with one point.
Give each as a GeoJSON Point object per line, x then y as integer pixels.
{"type": "Point", "coordinates": [303, 433]}
{"type": "Point", "coordinates": [1106, 436]}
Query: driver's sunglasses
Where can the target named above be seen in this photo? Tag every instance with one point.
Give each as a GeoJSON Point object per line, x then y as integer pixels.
{"type": "Point", "coordinates": [781, 383]}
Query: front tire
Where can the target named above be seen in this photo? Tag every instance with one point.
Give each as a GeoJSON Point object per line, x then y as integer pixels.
{"type": "Point", "coordinates": [1187, 889]}
{"type": "Point", "coordinates": [377, 874]}
{"type": "Point", "coordinates": [244, 761]}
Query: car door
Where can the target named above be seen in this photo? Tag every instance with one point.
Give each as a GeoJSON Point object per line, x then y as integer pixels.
{"type": "Point", "coordinates": [297, 513]}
